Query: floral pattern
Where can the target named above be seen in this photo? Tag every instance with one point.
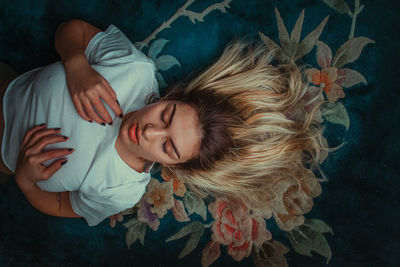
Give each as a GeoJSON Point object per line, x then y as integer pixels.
{"type": "Point", "coordinates": [234, 225]}
{"type": "Point", "coordinates": [159, 195]}
{"type": "Point", "coordinates": [330, 78]}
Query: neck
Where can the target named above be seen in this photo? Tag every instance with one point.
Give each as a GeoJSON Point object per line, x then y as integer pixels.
{"type": "Point", "coordinates": [135, 162]}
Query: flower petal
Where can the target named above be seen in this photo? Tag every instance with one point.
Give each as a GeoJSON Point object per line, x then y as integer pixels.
{"type": "Point", "coordinates": [178, 187]}
{"type": "Point", "coordinates": [240, 252]}
{"type": "Point", "coordinates": [210, 253]}
{"type": "Point", "coordinates": [288, 222]}
{"type": "Point", "coordinates": [313, 75]}
{"type": "Point", "coordinates": [260, 234]}
{"type": "Point", "coordinates": [217, 234]}
{"type": "Point", "coordinates": [324, 55]}
{"type": "Point", "coordinates": [349, 77]}
{"type": "Point", "coordinates": [179, 211]}
{"type": "Point", "coordinates": [335, 93]}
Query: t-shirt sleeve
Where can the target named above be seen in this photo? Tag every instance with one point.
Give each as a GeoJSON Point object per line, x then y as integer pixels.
{"type": "Point", "coordinates": [95, 208]}
{"type": "Point", "coordinates": [112, 47]}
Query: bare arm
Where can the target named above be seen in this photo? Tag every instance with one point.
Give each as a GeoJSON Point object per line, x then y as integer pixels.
{"type": "Point", "coordinates": [31, 170]}
{"type": "Point", "coordinates": [72, 38]}
{"type": "Point", "coordinates": [50, 203]}
{"type": "Point", "coordinates": [86, 86]}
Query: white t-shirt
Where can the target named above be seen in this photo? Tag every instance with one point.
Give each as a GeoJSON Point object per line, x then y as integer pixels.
{"type": "Point", "coordinates": [101, 183]}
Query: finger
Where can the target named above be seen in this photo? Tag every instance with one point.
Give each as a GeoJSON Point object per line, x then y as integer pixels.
{"type": "Point", "coordinates": [40, 134]}
{"type": "Point", "coordinates": [113, 222]}
{"type": "Point", "coordinates": [101, 109]}
{"type": "Point", "coordinates": [53, 168]}
{"type": "Point", "coordinates": [90, 111]}
{"type": "Point", "coordinates": [30, 133]}
{"type": "Point", "coordinates": [46, 140]}
{"type": "Point", "coordinates": [109, 89]}
{"type": "Point", "coordinates": [113, 101]}
{"type": "Point", "coordinates": [120, 218]}
{"type": "Point", "coordinates": [52, 154]}
{"type": "Point", "coordinates": [80, 110]}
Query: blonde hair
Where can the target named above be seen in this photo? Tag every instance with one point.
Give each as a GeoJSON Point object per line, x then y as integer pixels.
{"type": "Point", "coordinates": [270, 140]}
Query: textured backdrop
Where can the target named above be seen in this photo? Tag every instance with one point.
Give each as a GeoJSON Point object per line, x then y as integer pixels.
{"type": "Point", "coordinates": [359, 202]}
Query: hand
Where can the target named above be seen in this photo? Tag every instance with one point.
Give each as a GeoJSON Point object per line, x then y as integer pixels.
{"type": "Point", "coordinates": [31, 156]}
{"type": "Point", "coordinates": [87, 88]}
{"type": "Point", "coordinates": [114, 218]}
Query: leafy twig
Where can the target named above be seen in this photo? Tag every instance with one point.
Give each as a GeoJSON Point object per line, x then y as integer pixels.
{"type": "Point", "coordinates": [193, 16]}
{"type": "Point", "coordinates": [353, 15]}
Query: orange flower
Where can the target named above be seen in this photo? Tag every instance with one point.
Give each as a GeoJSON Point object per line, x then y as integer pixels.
{"type": "Point", "coordinates": [178, 186]}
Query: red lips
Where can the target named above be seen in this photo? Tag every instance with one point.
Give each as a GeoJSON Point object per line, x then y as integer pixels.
{"type": "Point", "coordinates": [134, 133]}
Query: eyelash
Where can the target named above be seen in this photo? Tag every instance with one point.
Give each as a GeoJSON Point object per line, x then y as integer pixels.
{"type": "Point", "coordinates": [163, 121]}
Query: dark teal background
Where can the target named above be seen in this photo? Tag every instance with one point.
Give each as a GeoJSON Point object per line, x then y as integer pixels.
{"type": "Point", "coordinates": [360, 201]}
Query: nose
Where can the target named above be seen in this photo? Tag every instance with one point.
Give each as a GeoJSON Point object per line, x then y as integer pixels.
{"type": "Point", "coordinates": [151, 132]}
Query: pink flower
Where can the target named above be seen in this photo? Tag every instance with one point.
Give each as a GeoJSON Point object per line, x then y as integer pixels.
{"type": "Point", "coordinates": [236, 228]}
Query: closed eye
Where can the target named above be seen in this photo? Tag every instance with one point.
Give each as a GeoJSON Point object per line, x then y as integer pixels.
{"type": "Point", "coordinates": [162, 116]}
{"type": "Point", "coordinates": [164, 123]}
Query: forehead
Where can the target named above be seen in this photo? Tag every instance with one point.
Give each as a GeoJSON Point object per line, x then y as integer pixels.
{"type": "Point", "coordinates": [185, 130]}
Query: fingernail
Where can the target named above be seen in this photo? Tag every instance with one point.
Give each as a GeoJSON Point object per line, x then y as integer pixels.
{"type": "Point", "coordinates": [121, 115]}
{"type": "Point", "coordinates": [65, 161]}
{"type": "Point", "coordinates": [103, 124]}
{"type": "Point", "coordinates": [110, 123]}
{"type": "Point", "coordinates": [70, 149]}
{"type": "Point", "coordinates": [118, 102]}
{"type": "Point", "coordinates": [57, 129]}
{"type": "Point", "coordinates": [65, 137]}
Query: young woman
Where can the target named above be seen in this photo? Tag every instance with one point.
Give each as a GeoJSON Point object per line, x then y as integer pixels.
{"type": "Point", "coordinates": [232, 131]}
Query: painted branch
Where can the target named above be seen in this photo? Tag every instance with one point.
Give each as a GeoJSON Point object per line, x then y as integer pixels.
{"type": "Point", "coordinates": [193, 16]}
{"type": "Point", "coordinates": [357, 10]}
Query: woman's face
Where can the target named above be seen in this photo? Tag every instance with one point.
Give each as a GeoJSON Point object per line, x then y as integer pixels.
{"type": "Point", "coordinates": [166, 132]}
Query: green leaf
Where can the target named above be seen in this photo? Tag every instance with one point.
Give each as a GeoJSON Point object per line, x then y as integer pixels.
{"type": "Point", "coordinates": [131, 223]}
{"type": "Point", "coordinates": [318, 226]}
{"type": "Point", "coordinates": [189, 228]}
{"type": "Point", "coordinates": [339, 5]}
{"type": "Point", "coordinates": [194, 204]}
{"type": "Point", "coordinates": [165, 62]}
{"type": "Point", "coordinates": [350, 51]}
{"type": "Point", "coordinates": [156, 47]}
{"type": "Point", "coordinates": [192, 243]}
{"type": "Point", "coordinates": [142, 232]}
{"type": "Point", "coordinates": [136, 230]}
{"type": "Point", "coordinates": [160, 80]}
{"type": "Point", "coordinates": [296, 33]}
{"type": "Point", "coordinates": [305, 239]}
{"type": "Point", "coordinates": [309, 41]}
{"type": "Point", "coordinates": [321, 246]}
{"type": "Point", "coordinates": [336, 113]}
{"type": "Point", "coordinates": [298, 245]}
{"type": "Point", "coordinates": [283, 34]}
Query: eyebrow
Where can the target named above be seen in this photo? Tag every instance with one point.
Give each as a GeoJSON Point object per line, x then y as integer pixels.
{"type": "Point", "coordinates": [172, 143]}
